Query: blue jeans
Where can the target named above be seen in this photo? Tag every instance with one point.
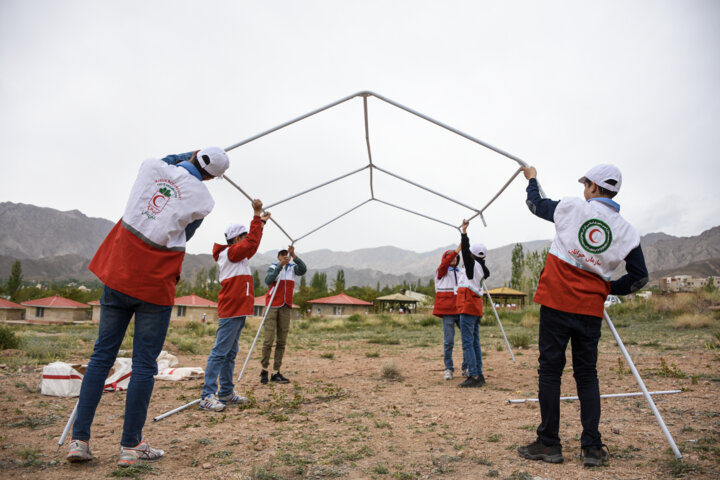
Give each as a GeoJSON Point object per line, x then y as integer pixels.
{"type": "Point", "coordinates": [470, 331]}
{"type": "Point", "coordinates": [151, 324]}
{"type": "Point", "coordinates": [449, 322]}
{"type": "Point", "coordinates": [221, 362]}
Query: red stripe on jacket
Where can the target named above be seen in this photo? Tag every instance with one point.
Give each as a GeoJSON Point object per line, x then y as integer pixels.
{"type": "Point", "coordinates": [127, 264]}
{"type": "Point", "coordinates": [469, 302]}
{"type": "Point", "coordinates": [569, 289]}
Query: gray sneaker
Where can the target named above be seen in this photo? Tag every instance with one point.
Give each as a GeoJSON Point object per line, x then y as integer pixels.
{"type": "Point", "coordinates": [144, 452]}
{"type": "Point", "coordinates": [212, 404]}
{"type": "Point", "coordinates": [233, 399]}
{"type": "Point", "coordinates": [79, 452]}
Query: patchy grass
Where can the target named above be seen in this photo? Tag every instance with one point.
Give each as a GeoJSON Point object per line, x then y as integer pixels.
{"type": "Point", "coordinates": [390, 371]}
{"type": "Point", "coordinates": [134, 471]}
{"type": "Point", "coordinates": [693, 321]}
{"type": "Point", "coordinates": [519, 340]}
{"type": "Point", "coordinates": [530, 320]}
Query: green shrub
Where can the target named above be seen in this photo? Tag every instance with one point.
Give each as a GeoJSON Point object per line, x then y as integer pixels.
{"type": "Point", "coordinates": [8, 339]}
{"type": "Point", "coordinates": [354, 318]}
{"type": "Point", "coordinates": [519, 340]}
{"type": "Point", "coordinates": [430, 321]}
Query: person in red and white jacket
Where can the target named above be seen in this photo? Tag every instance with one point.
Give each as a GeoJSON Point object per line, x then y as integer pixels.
{"type": "Point", "coordinates": [236, 300]}
{"type": "Point", "coordinates": [280, 277]}
{"type": "Point", "coordinates": [139, 263]}
{"type": "Point", "coordinates": [470, 305]}
{"type": "Point", "coordinates": [591, 240]}
{"type": "Point", "coordinates": [445, 307]}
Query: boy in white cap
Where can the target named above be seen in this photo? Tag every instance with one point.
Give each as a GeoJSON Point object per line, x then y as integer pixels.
{"type": "Point", "coordinates": [470, 305]}
{"type": "Point", "coordinates": [236, 300]}
{"type": "Point", "coordinates": [591, 240]}
{"type": "Point", "coordinates": [139, 262]}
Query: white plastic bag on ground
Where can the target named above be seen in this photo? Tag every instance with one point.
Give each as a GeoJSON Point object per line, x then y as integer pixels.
{"type": "Point", "coordinates": [180, 373]}
{"type": "Point", "coordinates": [166, 360]}
{"type": "Point", "coordinates": [61, 379]}
{"type": "Point", "coordinates": [119, 378]}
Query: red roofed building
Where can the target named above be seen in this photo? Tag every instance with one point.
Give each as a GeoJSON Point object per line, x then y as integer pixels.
{"type": "Point", "coordinates": [95, 304]}
{"type": "Point", "coordinates": [192, 308]}
{"type": "Point", "coordinates": [340, 305]}
{"type": "Point", "coordinates": [56, 309]}
{"type": "Point", "coordinates": [11, 311]}
{"type": "Point", "coordinates": [260, 308]}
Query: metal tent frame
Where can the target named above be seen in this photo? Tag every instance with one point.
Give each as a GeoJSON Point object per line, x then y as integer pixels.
{"type": "Point", "coordinates": [372, 166]}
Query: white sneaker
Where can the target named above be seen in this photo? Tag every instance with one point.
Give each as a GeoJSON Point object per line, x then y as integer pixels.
{"type": "Point", "coordinates": [143, 451]}
{"type": "Point", "coordinates": [448, 374]}
{"type": "Point", "coordinates": [211, 403]}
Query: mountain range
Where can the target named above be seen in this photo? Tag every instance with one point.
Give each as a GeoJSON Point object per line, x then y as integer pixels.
{"type": "Point", "coordinates": [55, 245]}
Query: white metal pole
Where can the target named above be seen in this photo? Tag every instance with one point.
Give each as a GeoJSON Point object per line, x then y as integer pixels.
{"type": "Point", "coordinates": [68, 425]}
{"type": "Point", "coordinates": [198, 400]}
{"type": "Point", "coordinates": [640, 382]}
{"type": "Point", "coordinates": [608, 395]}
{"type": "Point", "coordinates": [497, 317]}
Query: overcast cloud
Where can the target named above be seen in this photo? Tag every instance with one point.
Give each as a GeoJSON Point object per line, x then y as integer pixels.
{"type": "Point", "coordinates": [90, 89]}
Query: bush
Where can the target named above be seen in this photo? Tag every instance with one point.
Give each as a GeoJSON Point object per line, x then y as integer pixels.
{"type": "Point", "coordinates": [390, 371]}
{"type": "Point", "coordinates": [8, 339]}
{"type": "Point", "coordinates": [519, 340]}
{"type": "Point", "coordinates": [693, 320]}
{"type": "Point", "coordinates": [430, 321]}
{"type": "Point", "coordinates": [530, 320]}
{"type": "Point", "coordinates": [354, 318]}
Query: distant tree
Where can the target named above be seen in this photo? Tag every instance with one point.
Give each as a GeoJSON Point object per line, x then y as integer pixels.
{"type": "Point", "coordinates": [516, 272]}
{"type": "Point", "coordinates": [15, 279]}
{"type": "Point", "coordinates": [256, 279]}
{"type": "Point", "coordinates": [710, 286]}
{"type": "Point", "coordinates": [377, 286]}
{"type": "Point", "coordinates": [303, 282]}
{"type": "Point", "coordinates": [339, 283]}
{"type": "Point", "coordinates": [318, 282]}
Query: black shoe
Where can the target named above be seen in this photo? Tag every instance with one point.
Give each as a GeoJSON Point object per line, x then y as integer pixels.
{"type": "Point", "coordinates": [278, 378]}
{"type": "Point", "coordinates": [481, 380]}
{"type": "Point", "coordinates": [538, 451]}
{"type": "Point", "coordinates": [263, 376]}
{"type": "Point", "coordinates": [595, 456]}
{"type": "Point", "coordinates": [472, 382]}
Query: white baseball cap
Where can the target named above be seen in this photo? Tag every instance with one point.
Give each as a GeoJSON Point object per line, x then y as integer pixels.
{"type": "Point", "coordinates": [213, 160]}
{"type": "Point", "coordinates": [235, 230]}
{"type": "Point", "coordinates": [479, 250]}
{"type": "Point", "coordinates": [604, 175]}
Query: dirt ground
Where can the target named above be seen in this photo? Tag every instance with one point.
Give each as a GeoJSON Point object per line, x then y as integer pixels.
{"type": "Point", "coordinates": [345, 416]}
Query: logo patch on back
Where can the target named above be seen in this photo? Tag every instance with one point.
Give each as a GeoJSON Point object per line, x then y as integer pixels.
{"type": "Point", "coordinates": [595, 236]}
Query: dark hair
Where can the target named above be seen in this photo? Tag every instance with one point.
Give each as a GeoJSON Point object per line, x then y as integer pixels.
{"type": "Point", "coordinates": [205, 175]}
{"type": "Point", "coordinates": [603, 191]}
{"type": "Point", "coordinates": [283, 252]}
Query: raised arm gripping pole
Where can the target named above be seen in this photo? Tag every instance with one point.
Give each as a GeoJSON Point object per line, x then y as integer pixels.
{"type": "Point", "coordinates": [198, 400]}
{"type": "Point", "coordinates": [492, 304]}
{"type": "Point", "coordinates": [640, 382]}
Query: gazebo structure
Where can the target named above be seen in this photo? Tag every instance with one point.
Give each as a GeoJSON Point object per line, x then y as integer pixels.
{"type": "Point", "coordinates": [56, 309]}
{"type": "Point", "coordinates": [397, 303]}
{"type": "Point", "coordinates": [503, 297]}
{"type": "Point", "coordinates": [11, 311]}
{"type": "Point", "coordinates": [192, 308]}
{"type": "Point", "coordinates": [340, 305]}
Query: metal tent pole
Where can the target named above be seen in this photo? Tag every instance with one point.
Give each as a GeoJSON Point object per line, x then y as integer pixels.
{"type": "Point", "coordinates": [68, 425]}
{"type": "Point", "coordinates": [608, 395]}
{"type": "Point", "coordinates": [497, 317]}
{"type": "Point", "coordinates": [640, 382]}
{"type": "Point", "coordinates": [414, 212]}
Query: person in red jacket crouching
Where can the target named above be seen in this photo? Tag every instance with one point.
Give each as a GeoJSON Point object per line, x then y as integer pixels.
{"type": "Point", "coordinates": [446, 280]}
{"type": "Point", "coordinates": [235, 302]}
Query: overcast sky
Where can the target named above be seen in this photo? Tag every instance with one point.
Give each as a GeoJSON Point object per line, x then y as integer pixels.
{"type": "Point", "coordinates": [90, 89]}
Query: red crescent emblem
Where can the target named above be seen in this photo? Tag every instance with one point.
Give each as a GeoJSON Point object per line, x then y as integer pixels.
{"type": "Point", "coordinates": [590, 235]}
{"type": "Point", "coordinates": [158, 196]}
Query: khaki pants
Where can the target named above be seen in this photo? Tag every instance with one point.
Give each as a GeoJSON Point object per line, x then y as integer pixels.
{"type": "Point", "coordinates": [278, 320]}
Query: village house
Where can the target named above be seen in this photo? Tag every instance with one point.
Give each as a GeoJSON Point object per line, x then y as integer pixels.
{"type": "Point", "coordinates": [11, 311]}
{"type": "Point", "coordinates": [686, 283]}
{"type": "Point", "coordinates": [192, 308]}
{"type": "Point", "coordinates": [340, 305]}
{"type": "Point", "coordinates": [57, 309]}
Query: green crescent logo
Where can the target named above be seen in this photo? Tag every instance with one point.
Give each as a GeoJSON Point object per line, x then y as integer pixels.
{"type": "Point", "coordinates": [595, 236]}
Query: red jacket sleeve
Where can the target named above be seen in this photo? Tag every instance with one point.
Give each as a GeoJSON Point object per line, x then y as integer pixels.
{"type": "Point", "coordinates": [445, 264]}
{"type": "Point", "coordinates": [249, 245]}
